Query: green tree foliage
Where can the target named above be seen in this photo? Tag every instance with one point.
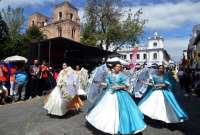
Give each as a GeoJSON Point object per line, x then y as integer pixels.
{"type": "Point", "coordinates": [16, 41]}
{"type": "Point", "coordinates": [14, 19]}
{"type": "Point", "coordinates": [107, 25]}
{"type": "Point", "coordinates": [3, 30]}
{"type": "Point", "coordinates": [34, 34]}
{"type": "Point", "coordinates": [4, 35]}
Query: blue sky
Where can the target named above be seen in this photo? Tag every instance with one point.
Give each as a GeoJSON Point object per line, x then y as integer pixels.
{"type": "Point", "coordinates": [172, 19]}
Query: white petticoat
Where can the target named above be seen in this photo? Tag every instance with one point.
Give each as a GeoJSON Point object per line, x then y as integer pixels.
{"type": "Point", "coordinates": [81, 92]}
{"type": "Point", "coordinates": [105, 115]}
{"type": "Point", "coordinates": [56, 104]}
{"type": "Point", "coordinates": [157, 107]}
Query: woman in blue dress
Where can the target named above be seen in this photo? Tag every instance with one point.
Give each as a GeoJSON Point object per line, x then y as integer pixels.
{"type": "Point", "coordinates": [116, 112]}
{"type": "Point", "coordinates": [159, 103]}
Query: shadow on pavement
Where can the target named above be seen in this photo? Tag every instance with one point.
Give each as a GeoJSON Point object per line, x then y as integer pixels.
{"type": "Point", "coordinates": [94, 130]}
{"type": "Point", "coordinates": [160, 124]}
{"type": "Point", "coordinates": [69, 114]}
{"type": "Point", "coordinates": [97, 132]}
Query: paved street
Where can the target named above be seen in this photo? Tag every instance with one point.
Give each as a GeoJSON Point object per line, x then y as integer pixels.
{"type": "Point", "coordinates": [29, 118]}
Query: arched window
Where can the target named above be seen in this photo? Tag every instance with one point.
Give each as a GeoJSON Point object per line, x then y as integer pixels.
{"type": "Point", "coordinates": [131, 55]}
{"type": "Point", "coordinates": [155, 56]}
{"type": "Point", "coordinates": [60, 15]}
{"type": "Point", "coordinates": [42, 24]}
{"type": "Point", "coordinates": [59, 31]}
{"type": "Point", "coordinates": [138, 56]}
{"type": "Point", "coordinates": [71, 16]}
{"type": "Point", "coordinates": [73, 32]}
{"type": "Point", "coordinates": [155, 44]}
{"type": "Point", "coordinates": [144, 56]}
{"type": "Point", "coordinates": [33, 22]}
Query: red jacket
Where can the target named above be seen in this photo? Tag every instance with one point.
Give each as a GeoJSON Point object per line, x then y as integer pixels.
{"type": "Point", "coordinates": [4, 73]}
{"type": "Point", "coordinates": [44, 71]}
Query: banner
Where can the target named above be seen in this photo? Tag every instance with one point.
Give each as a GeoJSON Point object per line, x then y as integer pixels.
{"type": "Point", "coordinates": [134, 58]}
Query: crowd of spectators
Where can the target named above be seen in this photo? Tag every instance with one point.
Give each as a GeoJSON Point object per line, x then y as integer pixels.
{"type": "Point", "coordinates": [19, 81]}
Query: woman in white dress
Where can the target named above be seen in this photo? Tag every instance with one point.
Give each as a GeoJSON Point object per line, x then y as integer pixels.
{"type": "Point", "coordinates": [82, 79]}
{"type": "Point", "coordinates": [63, 96]}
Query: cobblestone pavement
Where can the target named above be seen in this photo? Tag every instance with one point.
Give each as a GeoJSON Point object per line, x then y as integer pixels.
{"type": "Point", "coordinates": [29, 118]}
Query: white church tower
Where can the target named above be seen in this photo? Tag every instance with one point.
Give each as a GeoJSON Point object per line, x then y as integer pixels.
{"type": "Point", "coordinates": [151, 53]}
{"type": "Point", "coordinates": [156, 41]}
{"type": "Point", "coordinates": [155, 50]}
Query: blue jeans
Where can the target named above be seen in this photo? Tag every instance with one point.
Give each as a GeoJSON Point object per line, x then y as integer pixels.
{"type": "Point", "coordinates": [20, 91]}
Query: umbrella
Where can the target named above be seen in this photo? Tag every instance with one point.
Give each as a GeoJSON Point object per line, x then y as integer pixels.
{"type": "Point", "coordinates": [16, 58]}
{"type": "Point", "coordinates": [117, 59]}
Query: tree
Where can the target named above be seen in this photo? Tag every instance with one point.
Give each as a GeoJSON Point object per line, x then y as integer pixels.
{"type": "Point", "coordinates": [34, 33]}
{"type": "Point", "coordinates": [105, 28]}
{"type": "Point", "coordinates": [4, 35]}
{"type": "Point", "coordinates": [14, 19]}
{"type": "Point", "coordinates": [3, 30]}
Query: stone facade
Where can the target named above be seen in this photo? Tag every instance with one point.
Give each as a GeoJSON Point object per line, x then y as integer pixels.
{"type": "Point", "coordinates": [65, 22]}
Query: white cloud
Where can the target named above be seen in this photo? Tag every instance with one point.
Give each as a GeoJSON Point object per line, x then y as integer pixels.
{"type": "Point", "coordinates": [175, 47]}
{"type": "Point", "coordinates": [166, 16]}
{"type": "Point", "coordinates": [24, 3]}
{"type": "Point", "coordinates": [160, 16]}
{"type": "Point", "coordinates": [81, 13]}
{"type": "Point", "coordinates": [169, 15]}
{"type": "Point", "coordinates": [169, 18]}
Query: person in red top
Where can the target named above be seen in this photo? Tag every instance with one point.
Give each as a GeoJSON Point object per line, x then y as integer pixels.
{"type": "Point", "coordinates": [55, 74]}
{"type": "Point", "coordinates": [1, 72]}
{"type": "Point", "coordinates": [44, 78]}
{"type": "Point", "coordinates": [44, 71]}
{"type": "Point", "coordinates": [4, 78]}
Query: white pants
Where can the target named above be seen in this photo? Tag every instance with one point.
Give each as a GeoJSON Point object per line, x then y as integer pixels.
{"type": "Point", "coordinates": [12, 88]}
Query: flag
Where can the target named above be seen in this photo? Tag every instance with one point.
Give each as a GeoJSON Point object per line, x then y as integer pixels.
{"type": "Point", "coordinates": [134, 57]}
